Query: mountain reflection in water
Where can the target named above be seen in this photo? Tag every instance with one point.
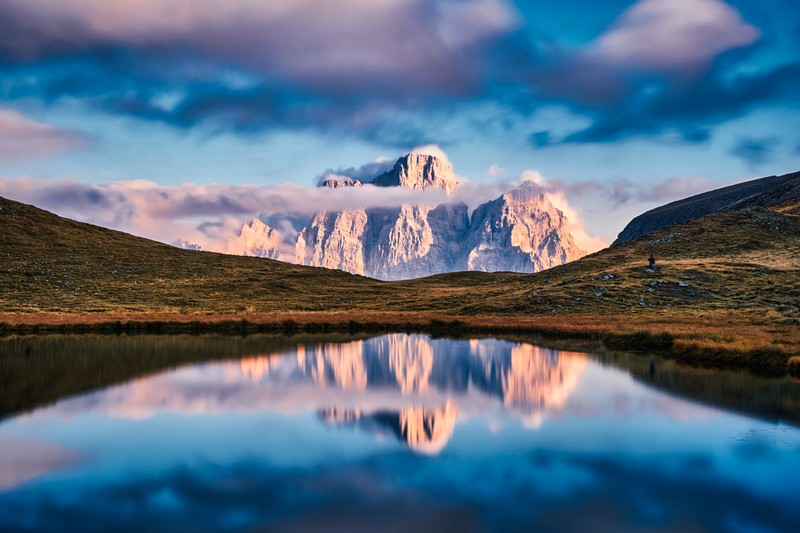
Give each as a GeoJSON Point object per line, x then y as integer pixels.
{"type": "Point", "coordinates": [391, 433]}
{"type": "Point", "coordinates": [529, 379]}
{"type": "Point", "coordinates": [392, 384]}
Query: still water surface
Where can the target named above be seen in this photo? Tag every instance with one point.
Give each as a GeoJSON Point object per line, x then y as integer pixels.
{"type": "Point", "coordinates": [392, 433]}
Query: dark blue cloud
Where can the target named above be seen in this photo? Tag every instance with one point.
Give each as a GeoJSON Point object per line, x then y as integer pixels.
{"type": "Point", "coordinates": [683, 493]}
{"type": "Point", "coordinates": [755, 150]}
{"type": "Point", "coordinates": [345, 69]}
{"type": "Point", "coordinates": [426, 57]}
{"type": "Point", "coordinates": [653, 107]}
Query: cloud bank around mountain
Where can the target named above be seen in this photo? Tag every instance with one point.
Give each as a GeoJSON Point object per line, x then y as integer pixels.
{"type": "Point", "coordinates": [210, 215]}
{"type": "Point", "coordinates": [205, 214]}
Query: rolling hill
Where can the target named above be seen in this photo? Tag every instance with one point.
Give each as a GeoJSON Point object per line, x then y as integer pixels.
{"type": "Point", "coordinates": [764, 192]}
{"type": "Point", "coordinates": [728, 284]}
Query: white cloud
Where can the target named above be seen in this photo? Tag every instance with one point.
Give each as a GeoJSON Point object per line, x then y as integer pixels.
{"type": "Point", "coordinates": [21, 137]}
{"type": "Point", "coordinates": [673, 35]}
{"type": "Point", "coordinates": [494, 170]}
{"type": "Point", "coordinates": [205, 214]}
{"type": "Point", "coordinates": [431, 149]}
{"type": "Point", "coordinates": [23, 461]}
{"type": "Point", "coordinates": [392, 45]}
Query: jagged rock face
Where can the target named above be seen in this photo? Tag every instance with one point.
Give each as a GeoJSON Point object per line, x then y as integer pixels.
{"type": "Point", "coordinates": [337, 182]}
{"type": "Point", "coordinates": [340, 365]}
{"type": "Point", "coordinates": [399, 243]}
{"type": "Point", "coordinates": [425, 430]}
{"type": "Point", "coordinates": [334, 240]}
{"type": "Point", "coordinates": [415, 241]}
{"type": "Point", "coordinates": [535, 379]}
{"type": "Point", "coordinates": [419, 172]}
{"type": "Point", "coordinates": [410, 362]}
{"type": "Point", "coordinates": [258, 240]}
{"type": "Point", "coordinates": [519, 232]}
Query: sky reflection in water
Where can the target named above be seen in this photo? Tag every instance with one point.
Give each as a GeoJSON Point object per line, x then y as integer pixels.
{"type": "Point", "coordinates": [395, 433]}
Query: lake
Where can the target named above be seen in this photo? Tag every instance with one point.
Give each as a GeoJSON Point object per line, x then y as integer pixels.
{"type": "Point", "coordinates": [391, 433]}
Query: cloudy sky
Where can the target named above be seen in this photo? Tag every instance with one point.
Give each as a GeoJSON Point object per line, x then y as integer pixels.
{"type": "Point", "coordinates": [157, 116]}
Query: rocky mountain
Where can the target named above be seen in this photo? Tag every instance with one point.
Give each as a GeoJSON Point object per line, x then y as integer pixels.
{"type": "Point", "coordinates": [259, 240]}
{"type": "Point", "coordinates": [337, 182]}
{"type": "Point", "coordinates": [520, 231]}
{"type": "Point", "coordinates": [750, 193]}
{"type": "Point", "coordinates": [419, 171]}
{"type": "Point", "coordinates": [183, 244]}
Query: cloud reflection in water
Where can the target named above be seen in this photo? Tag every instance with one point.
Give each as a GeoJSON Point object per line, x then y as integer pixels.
{"type": "Point", "coordinates": [505, 437]}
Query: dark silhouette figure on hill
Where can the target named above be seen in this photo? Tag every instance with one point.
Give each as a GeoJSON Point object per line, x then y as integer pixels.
{"type": "Point", "coordinates": [652, 261]}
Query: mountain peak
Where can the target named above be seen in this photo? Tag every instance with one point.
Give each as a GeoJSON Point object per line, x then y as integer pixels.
{"type": "Point", "coordinates": [526, 191]}
{"type": "Point", "coordinates": [335, 181]}
{"type": "Point", "coordinates": [186, 245]}
{"type": "Point", "coordinates": [257, 239]}
{"type": "Point", "coordinates": [419, 172]}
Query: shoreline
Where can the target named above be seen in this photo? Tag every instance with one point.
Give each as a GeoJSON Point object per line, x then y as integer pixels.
{"type": "Point", "coordinates": [688, 342]}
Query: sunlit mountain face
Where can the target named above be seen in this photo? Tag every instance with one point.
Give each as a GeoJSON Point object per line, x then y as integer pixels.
{"type": "Point", "coordinates": [182, 120]}
{"type": "Point", "coordinates": [391, 433]}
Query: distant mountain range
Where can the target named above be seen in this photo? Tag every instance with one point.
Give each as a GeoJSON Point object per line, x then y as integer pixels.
{"type": "Point", "coordinates": [734, 275]}
{"type": "Point", "coordinates": [521, 231]}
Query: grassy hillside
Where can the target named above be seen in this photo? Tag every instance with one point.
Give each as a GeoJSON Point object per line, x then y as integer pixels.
{"type": "Point", "coordinates": [728, 285]}
{"type": "Point", "coordinates": [48, 263]}
{"type": "Point", "coordinates": [763, 191]}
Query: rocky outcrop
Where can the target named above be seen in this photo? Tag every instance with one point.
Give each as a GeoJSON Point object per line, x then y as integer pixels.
{"type": "Point", "coordinates": [529, 380]}
{"type": "Point", "coordinates": [334, 240]}
{"type": "Point", "coordinates": [391, 243]}
{"type": "Point", "coordinates": [419, 172]}
{"type": "Point", "coordinates": [339, 365]}
{"type": "Point", "coordinates": [732, 197]}
{"type": "Point", "coordinates": [520, 231]}
{"type": "Point", "coordinates": [415, 241]}
{"type": "Point", "coordinates": [425, 430]}
{"type": "Point", "coordinates": [535, 379]}
{"type": "Point", "coordinates": [186, 245]}
{"type": "Point", "coordinates": [258, 240]}
{"type": "Point", "coordinates": [337, 182]}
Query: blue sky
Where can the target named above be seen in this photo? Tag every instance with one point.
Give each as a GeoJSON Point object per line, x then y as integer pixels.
{"type": "Point", "coordinates": [621, 105]}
